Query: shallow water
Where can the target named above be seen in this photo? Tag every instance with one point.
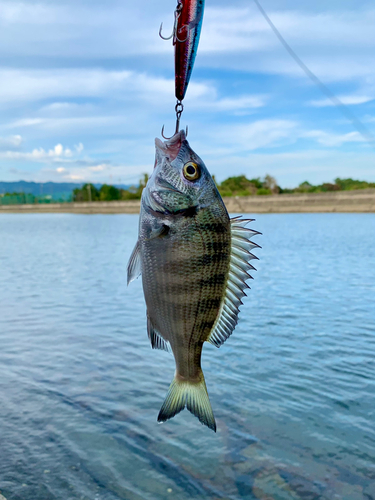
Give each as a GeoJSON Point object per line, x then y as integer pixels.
{"type": "Point", "coordinates": [80, 388]}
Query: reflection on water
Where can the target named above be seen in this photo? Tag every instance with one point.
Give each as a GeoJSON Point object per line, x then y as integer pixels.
{"type": "Point", "coordinates": [80, 388]}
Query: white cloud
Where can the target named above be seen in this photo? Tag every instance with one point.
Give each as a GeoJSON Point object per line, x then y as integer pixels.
{"type": "Point", "coordinates": [345, 99]}
{"type": "Point", "coordinates": [26, 122]}
{"type": "Point", "coordinates": [98, 168]}
{"type": "Point", "coordinates": [102, 172]}
{"type": "Point", "coordinates": [255, 135]}
{"type": "Point", "coordinates": [336, 43]}
{"type": "Point", "coordinates": [24, 85]}
{"type": "Point", "coordinates": [291, 168]}
{"type": "Point", "coordinates": [239, 104]}
{"type": "Point", "coordinates": [66, 108]}
{"type": "Point", "coordinates": [332, 139]}
{"type": "Point", "coordinates": [368, 119]}
{"type": "Point", "coordinates": [108, 101]}
{"type": "Point", "coordinates": [58, 153]}
{"type": "Point", "coordinates": [335, 47]}
{"type": "Point", "coordinates": [69, 124]}
{"type": "Point", "coordinates": [18, 85]}
{"type": "Point", "coordinates": [75, 177]}
{"type": "Point", "coordinates": [12, 141]}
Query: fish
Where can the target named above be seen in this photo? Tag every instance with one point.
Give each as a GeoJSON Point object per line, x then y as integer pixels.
{"type": "Point", "coordinates": [194, 261]}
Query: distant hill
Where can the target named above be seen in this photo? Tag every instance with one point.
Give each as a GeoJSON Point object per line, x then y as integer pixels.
{"type": "Point", "coordinates": [54, 189]}
{"type": "Point", "coordinates": [58, 190]}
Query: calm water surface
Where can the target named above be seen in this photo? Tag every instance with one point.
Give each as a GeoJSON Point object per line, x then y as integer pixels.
{"type": "Point", "coordinates": [80, 388]}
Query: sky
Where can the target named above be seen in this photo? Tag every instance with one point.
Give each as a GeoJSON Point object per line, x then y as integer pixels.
{"type": "Point", "coordinates": [86, 86]}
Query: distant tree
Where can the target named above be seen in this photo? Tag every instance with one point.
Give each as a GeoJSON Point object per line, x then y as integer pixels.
{"type": "Point", "coordinates": [233, 186]}
{"type": "Point", "coordinates": [263, 191]}
{"type": "Point", "coordinates": [327, 186]}
{"type": "Point", "coordinates": [143, 182]}
{"type": "Point", "coordinates": [346, 184]}
{"type": "Point", "coordinates": [109, 193]}
{"type": "Point", "coordinates": [257, 182]}
{"type": "Point", "coordinates": [237, 186]}
{"type": "Point", "coordinates": [132, 193]}
{"type": "Point", "coordinates": [87, 192]}
{"type": "Point", "coordinates": [271, 184]}
{"type": "Point", "coordinates": [135, 192]}
{"type": "Point", "coordinates": [304, 187]}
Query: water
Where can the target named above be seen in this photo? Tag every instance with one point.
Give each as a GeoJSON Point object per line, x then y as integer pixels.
{"type": "Point", "coordinates": [80, 388]}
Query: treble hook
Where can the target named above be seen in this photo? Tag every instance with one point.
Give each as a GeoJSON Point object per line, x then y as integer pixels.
{"type": "Point", "coordinates": [169, 37]}
{"type": "Point", "coordinates": [179, 109]}
{"type": "Point", "coordinates": [168, 138]}
{"type": "Point", "coordinates": [175, 30]}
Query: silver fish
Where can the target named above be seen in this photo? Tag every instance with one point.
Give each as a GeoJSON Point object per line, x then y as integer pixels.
{"type": "Point", "coordinates": [194, 262]}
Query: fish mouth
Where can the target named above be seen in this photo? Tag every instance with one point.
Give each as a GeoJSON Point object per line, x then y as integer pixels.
{"type": "Point", "coordinates": [171, 147]}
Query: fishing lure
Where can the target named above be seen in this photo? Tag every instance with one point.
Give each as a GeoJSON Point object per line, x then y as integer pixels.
{"type": "Point", "coordinates": [185, 34]}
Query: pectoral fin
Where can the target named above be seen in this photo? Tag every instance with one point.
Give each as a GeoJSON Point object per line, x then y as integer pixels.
{"type": "Point", "coordinates": [134, 264]}
{"type": "Point", "coordinates": [159, 232]}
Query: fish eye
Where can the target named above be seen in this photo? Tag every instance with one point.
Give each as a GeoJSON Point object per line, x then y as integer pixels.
{"type": "Point", "coordinates": [191, 171]}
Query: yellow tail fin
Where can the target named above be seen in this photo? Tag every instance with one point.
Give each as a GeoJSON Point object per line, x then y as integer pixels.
{"type": "Point", "coordinates": [194, 396]}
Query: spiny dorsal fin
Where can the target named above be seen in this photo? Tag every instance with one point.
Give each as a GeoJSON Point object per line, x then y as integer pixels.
{"type": "Point", "coordinates": [157, 341]}
{"type": "Point", "coordinates": [236, 282]}
{"type": "Point", "coordinates": [134, 264]}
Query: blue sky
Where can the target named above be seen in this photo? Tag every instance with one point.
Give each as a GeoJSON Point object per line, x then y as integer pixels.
{"type": "Point", "coordinates": [86, 85]}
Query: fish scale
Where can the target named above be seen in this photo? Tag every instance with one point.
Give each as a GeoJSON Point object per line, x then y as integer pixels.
{"type": "Point", "coordinates": [179, 295]}
{"type": "Point", "coordinates": [194, 262]}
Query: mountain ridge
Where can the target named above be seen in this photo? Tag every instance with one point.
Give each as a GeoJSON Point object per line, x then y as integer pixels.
{"type": "Point", "coordinates": [54, 189]}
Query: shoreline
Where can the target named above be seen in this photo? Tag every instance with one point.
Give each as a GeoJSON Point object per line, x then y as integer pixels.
{"type": "Point", "coordinates": [357, 201]}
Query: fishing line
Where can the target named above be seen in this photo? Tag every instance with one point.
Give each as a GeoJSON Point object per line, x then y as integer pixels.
{"type": "Point", "coordinates": [357, 124]}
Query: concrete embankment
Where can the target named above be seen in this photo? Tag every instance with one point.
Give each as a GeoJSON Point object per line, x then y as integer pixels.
{"type": "Point", "coordinates": [340, 201]}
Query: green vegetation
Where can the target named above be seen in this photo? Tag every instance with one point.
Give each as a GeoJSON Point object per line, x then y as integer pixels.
{"type": "Point", "coordinates": [241, 186]}
{"type": "Point", "coordinates": [338, 185]}
{"type": "Point", "coordinates": [22, 198]}
{"type": "Point", "coordinates": [88, 192]}
{"type": "Point", "coordinates": [233, 186]}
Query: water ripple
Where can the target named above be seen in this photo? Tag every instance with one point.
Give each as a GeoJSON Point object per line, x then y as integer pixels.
{"type": "Point", "coordinates": [292, 390]}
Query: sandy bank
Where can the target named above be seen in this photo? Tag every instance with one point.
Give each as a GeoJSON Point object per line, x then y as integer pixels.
{"type": "Point", "coordinates": [340, 201]}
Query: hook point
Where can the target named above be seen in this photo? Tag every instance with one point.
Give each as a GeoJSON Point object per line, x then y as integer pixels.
{"type": "Point", "coordinates": [163, 37]}
{"type": "Point", "coordinates": [162, 134]}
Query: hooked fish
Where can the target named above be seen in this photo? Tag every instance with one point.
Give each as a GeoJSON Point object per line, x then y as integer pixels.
{"type": "Point", "coordinates": [194, 262]}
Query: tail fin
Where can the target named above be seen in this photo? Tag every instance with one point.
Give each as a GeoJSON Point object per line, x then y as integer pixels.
{"type": "Point", "coordinates": [194, 396]}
